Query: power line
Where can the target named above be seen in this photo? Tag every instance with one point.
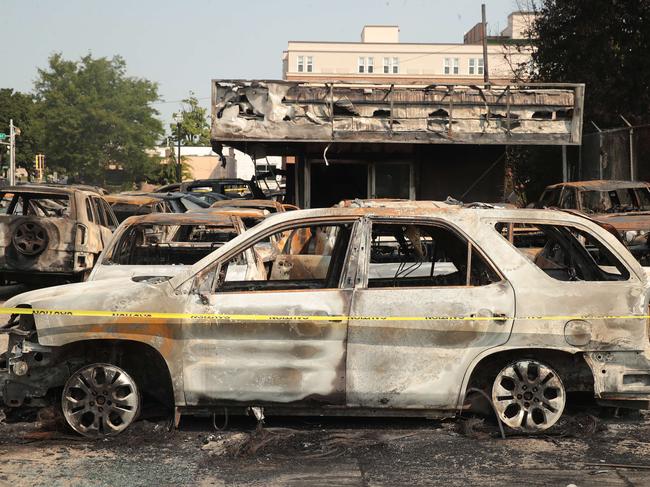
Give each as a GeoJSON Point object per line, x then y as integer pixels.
{"type": "Point", "coordinates": [178, 101]}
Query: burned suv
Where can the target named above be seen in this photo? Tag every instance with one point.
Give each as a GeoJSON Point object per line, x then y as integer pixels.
{"type": "Point", "coordinates": [51, 233]}
{"type": "Point", "coordinates": [625, 205]}
{"type": "Point", "coordinates": [371, 311]}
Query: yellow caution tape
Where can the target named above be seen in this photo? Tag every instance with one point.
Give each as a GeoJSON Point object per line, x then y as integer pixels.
{"type": "Point", "coordinates": [337, 318]}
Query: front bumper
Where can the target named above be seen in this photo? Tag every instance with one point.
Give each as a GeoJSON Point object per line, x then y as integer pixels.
{"type": "Point", "coordinates": [28, 370]}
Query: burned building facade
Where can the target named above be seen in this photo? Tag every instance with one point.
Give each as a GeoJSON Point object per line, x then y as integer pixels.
{"type": "Point", "coordinates": [367, 140]}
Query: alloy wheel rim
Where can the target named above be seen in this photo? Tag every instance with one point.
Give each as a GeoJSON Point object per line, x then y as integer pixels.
{"type": "Point", "coordinates": [529, 396]}
{"type": "Point", "coordinates": [30, 238]}
{"type": "Point", "coordinates": [100, 400]}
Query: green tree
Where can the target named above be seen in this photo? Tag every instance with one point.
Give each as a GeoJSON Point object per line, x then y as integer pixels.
{"type": "Point", "coordinates": [604, 44]}
{"type": "Point", "coordinates": [21, 107]}
{"type": "Point", "coordinates": [92, 115]}
{"type": "Point", "coordinates": [194, 125]}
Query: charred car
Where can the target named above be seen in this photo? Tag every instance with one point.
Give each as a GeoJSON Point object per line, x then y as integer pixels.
{"type": "Point", "coordinates": [52, 233]}
{"type": "Point", "coordinates": [164, 244]}
{"type": "Point", "coordinates": [380, 311]}
{"type": "Point", "coordinates": [271, 206]}
{"type": "Point", "coordinates": [623, 205]}
{"type": "Point", "coordinates": [126, 205]}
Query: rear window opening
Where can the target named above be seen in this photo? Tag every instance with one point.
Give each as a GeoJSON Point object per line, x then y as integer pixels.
{"type": "Point", "coordinates": [564, 252]}
{"type": "Point", "coordinates": [35, 204]}
{"type": "Point", "coordinates": [167, 244]}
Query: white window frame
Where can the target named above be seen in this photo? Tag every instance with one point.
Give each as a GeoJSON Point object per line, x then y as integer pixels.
{"type": "Point", "coordinates": [451, 65]}
{"type": "Point", "coordinates": [391, 65]}
{"type": "Point", "coordinates": [475, 65]}
{"type": "Point", "coordinates": [300, 64]}
{"type": "Point", "coordinates": [370, 65]}
{"type": "Point", "coordinates": [310, 64]}
{"type": "Point", "coordinates": [361, 67]}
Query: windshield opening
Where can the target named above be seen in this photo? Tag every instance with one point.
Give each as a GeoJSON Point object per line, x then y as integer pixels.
{"type": "Point", "coordinates": [168, 244]}
{"type": "Point", "coordinates": [35, 204]}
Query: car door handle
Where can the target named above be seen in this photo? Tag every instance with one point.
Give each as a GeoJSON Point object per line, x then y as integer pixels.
{"type": "Point", "coordinates": [500, 317]}
{"type": "Point", "coordinates": [486, 314]}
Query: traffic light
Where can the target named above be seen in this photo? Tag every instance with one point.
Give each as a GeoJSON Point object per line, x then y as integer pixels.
{"type": "Point", "coordinates": [39, 165]}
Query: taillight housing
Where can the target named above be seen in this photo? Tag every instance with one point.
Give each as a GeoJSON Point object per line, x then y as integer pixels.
{"type": "Point", "coordinates": [81, 234]}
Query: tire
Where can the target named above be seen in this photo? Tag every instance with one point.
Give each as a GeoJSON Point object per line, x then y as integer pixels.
{"type": "Point", "coordinates": [100, 400]}
{"type": "Point", "coordinates": [30, 239]}
{"type": "Point", "coordinates": [528, 396]}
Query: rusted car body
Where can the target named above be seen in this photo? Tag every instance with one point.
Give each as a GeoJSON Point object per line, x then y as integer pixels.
{"type": "Point", "coordinates": [271, 206]}
{"type": "Point", "coordinates": [51, 233]}
{"type": "Point", "coordinates": [624, 205]}
{"type": "Point", "coordinates": [164, 244]}
{"type": "Point", "coordinates": [127, 205]}
{"type": "Point", "coordinates": [382, 311]}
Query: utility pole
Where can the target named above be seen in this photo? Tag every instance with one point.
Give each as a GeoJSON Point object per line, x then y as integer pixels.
{"type": "Point", "coordinates": [12, 153]}
{"type": "Point", "coordinates": [13, 131]}
{"type": "Point", "coordinates": [179, 168]}
{"type": "Point", "coordinates": [486, 76]}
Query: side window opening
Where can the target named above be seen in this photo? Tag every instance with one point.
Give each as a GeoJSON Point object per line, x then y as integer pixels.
{"type": "Point", "coordinates": [412, 255]}
{"type": "Point", "coordinates": [305, 257]}
{"type": "Point", "coordinates": [101, 216]}
{"type": "Point", "coordinates": [564, 252]}
{"type": "Point", "coordinates": [89, 210]}
{"type": "Point", "coordinates": [569, 199]}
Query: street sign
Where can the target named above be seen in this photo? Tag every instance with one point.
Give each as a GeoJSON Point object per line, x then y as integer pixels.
{"type": "Point", "coordinates": [3, 136]}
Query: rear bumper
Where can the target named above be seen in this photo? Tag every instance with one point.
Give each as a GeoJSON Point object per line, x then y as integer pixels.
{"type": "Point", "coordinates": [50, 263]}
{"type": "Point", "coordinates": [621, 376]}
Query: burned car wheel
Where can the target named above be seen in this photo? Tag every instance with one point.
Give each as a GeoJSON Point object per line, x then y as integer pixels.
{"type": "Point", "coordinates": [528, 395]}
{"type": "Point", "coordinates": [30, 238]}
{"type": "Point", "coordinates": [100, 400]}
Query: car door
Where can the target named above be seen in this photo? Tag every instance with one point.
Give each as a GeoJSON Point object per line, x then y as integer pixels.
{"type": "Point", "coordinates": [581, 275]}
{"type": "Point", "coordinates": [411, 269]}
{"type": "Point", "coordinates": [258, 351]}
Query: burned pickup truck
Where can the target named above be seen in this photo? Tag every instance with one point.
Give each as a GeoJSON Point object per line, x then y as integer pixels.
{"type": "Point", "coordinates": [379, 311]}
{"type": "Point", "coordinates": [52, 233]}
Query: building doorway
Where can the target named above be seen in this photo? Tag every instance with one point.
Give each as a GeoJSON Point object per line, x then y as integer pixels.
{"type": "Point", "coordinates": [339, 181]}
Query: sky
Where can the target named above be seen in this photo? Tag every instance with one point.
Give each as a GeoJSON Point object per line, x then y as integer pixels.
{"type": "Point", "coordinates": [184, 44]}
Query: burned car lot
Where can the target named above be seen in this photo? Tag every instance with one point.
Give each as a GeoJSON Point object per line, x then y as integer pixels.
{"type": "Point", "coordinates": [52, 233]}
{"type": "Point", "coordinates": [379, 311]}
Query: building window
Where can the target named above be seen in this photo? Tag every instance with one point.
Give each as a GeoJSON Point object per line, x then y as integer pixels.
{"type": "Point", "coordinates": [451, 65]}
{"type": "Point", "coordinates": [391, 65]}
{"type": "Point", "coordinates": [310, 64]}
{"type": "Point", "coordinates": [371, 65]}
{"type": "Point", "coordinates": [301, 64]}
{"type": "Point", "coordinates": [362, 64]}
{"type": "Point", "coordinates": [476, 65]}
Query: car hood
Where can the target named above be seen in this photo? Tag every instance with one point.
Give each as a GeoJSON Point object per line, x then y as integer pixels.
{"type": "Point", "coordinates": [115, 295]}
{"type": "Point", "coordinates": [625, 221]}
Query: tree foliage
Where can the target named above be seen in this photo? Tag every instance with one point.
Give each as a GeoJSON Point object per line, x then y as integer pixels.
{"type": "Point", "coordinates": [92, 115]}
{"type": "Point", "coordinates": [21, 108]}
{"type": "Point", "coordinates": [604, 44]}
{"type": "Point", "coordinates": [194, 125]}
